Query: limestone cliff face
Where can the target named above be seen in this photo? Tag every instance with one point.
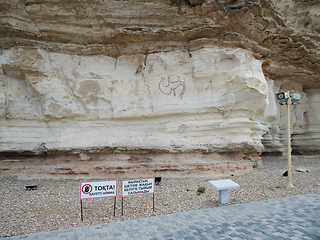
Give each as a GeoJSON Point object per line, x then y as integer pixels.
{"type": "Point", "coordinates": [157, 75]}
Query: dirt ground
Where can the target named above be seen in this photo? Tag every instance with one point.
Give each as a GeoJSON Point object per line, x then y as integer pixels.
{"type": "Point", "coordinates": [56, 204]}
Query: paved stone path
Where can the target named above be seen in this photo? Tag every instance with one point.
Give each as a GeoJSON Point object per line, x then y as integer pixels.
{"type": "Point", "coordinates": [286, 218]}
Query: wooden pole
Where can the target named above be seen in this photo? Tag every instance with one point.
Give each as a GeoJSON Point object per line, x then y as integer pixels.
{"type": "Point", "coordinates": [289, 180]}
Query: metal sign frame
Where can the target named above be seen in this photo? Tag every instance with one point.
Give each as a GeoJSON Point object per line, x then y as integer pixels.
{"type": "Point", "coordinates": [98, 189]}
{"type": "Point", "coordinates": [135, 187]}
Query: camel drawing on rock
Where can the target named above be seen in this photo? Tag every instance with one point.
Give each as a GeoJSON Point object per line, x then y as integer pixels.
{"type": "Point", "coordinates": [170, 86]}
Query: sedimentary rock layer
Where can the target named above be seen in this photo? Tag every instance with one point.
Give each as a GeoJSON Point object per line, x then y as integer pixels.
{"type": "Point", "coordinates": [157, 75]}
{"type": "Point", "coordinates": [174, 101]}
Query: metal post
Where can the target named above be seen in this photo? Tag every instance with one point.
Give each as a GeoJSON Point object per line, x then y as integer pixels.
{"type": "Point", "coordinates": [153, 201]}
{"type": "Point", "coordinates": [122, 206]}
{"type": "Point", "coordinates": [114, 207]}
{"type": "Point", "coordinates": [81, 211]}
{"type": "Point", "coordinates": [289, 179]}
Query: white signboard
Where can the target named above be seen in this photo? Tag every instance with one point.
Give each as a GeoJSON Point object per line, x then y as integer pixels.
{"type": "Point", "coordinates": [137, 187]}
{"type": "Point", "coordinates": [98, 189]}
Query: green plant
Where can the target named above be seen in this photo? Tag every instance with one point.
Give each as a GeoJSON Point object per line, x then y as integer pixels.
{"type": "Point", "coordinates": [201, 190]}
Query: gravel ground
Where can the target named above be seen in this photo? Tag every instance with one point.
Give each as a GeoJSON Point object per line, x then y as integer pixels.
{"type": "Point", "coordinates": [55, 205]}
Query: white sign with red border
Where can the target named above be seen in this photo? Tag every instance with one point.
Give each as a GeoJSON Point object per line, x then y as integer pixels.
{"type": "Point", "coordinates": [98, 189]}
{"type": "Point", "coordinates": [134, 187]}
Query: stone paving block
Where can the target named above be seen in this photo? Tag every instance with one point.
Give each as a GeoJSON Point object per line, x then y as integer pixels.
{"type": "Point", "coordinates": [189, 238]}
{"type": "Point", "coordinates": [287, 218]}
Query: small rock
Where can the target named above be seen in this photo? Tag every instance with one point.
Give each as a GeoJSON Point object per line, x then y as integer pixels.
{"type": "Point", "coordinates": [301, 169]}
{"type": "Point", "coordinates": [84, 157]}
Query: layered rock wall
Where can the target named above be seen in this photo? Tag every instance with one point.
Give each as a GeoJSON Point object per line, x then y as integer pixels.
{"type": "Point", "coordinates": [205, 99]}
{"type": "Point", "coordinates": [157, 75]}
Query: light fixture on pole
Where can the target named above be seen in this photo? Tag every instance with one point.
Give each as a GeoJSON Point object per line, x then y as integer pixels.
{"type": "Point", "coordinates": [287, 99]}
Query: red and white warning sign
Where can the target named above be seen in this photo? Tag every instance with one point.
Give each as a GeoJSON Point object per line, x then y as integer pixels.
{"type": "Point", "coordinates": [98, 189]}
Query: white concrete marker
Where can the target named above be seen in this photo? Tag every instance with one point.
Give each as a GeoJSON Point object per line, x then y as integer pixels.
{"type": "Point", "coordinates": [223, 186]}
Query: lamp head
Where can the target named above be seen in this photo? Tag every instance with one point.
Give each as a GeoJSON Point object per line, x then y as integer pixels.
{"type": "Point", "coordinates": [282, 96]}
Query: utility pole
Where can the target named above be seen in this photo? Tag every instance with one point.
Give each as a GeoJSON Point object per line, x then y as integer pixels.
{"type": "Point", "coordinates": [288, 99]}
{"type": "Point", "coordinates": [289, 180]}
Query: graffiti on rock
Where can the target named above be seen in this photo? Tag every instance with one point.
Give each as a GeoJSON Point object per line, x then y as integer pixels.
{"type": "Point", "coordinates": [169, 86]}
